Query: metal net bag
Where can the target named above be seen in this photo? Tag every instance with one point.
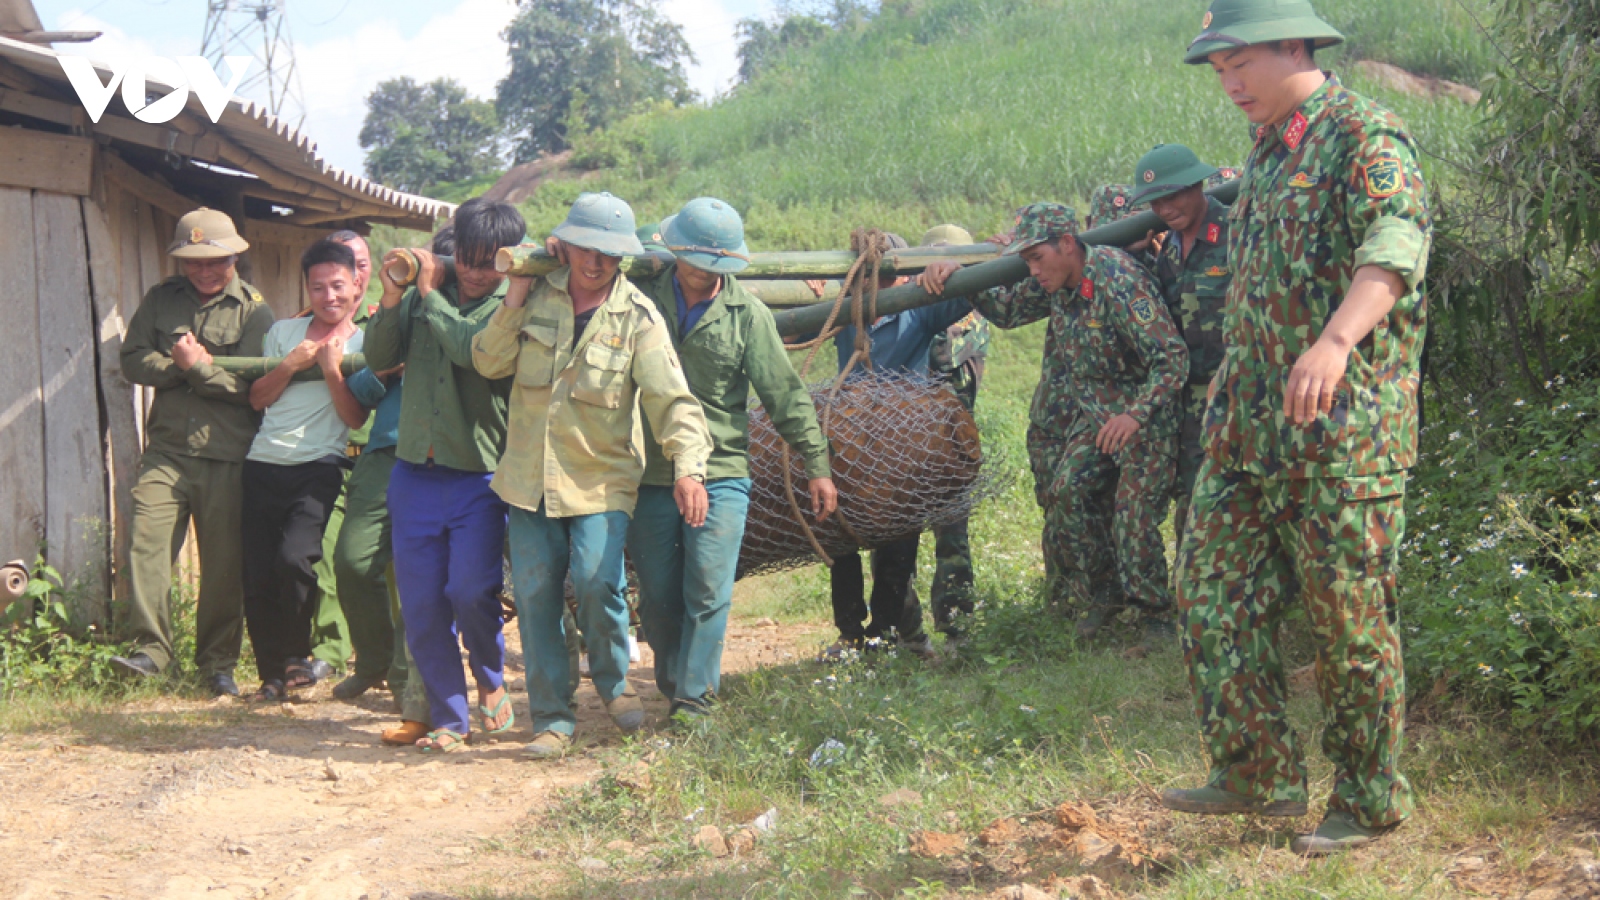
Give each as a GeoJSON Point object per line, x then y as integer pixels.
{"type": "Point", "coordinates": [906, 457]}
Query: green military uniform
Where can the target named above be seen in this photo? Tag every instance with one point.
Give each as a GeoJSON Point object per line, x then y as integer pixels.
{"type": "Point", "coordinates": [330, 632]}
{"type": "Point", "coordinates": [1334, 187]}
{"type": "Point", "coordinates": [198, 430]}
{"type": "Point", "coordinates": [1120, 354]}
{"type": "Point", "coordinates": [1194, 286]}
{"type": "Point", "coordinates": [1108, 203]}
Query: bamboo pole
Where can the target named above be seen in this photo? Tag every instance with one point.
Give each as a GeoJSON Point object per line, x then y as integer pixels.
{"type": "Point", "coordinates": [977, 278]}
{"type": "Point", "coordinates": [788, 294]}
{"type": "Point", "coordinates": [404, 267]}
{"type": "Point", "coordinates": [531, 259]}
{"type": "Point", "coordinates": [253, 367]}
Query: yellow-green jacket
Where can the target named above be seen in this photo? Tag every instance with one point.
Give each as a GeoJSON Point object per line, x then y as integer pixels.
{"type": "Point", "coordinates": [569, 443]}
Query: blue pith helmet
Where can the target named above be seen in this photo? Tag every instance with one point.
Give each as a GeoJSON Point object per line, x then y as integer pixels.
{"type": "Point", "coordinates": [601, 222]}
{"type": "Point", "coordinates": [707, 234]}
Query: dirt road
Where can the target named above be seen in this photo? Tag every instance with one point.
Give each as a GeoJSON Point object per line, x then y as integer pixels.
{"type": "Point", "coordinates": [181, 800]}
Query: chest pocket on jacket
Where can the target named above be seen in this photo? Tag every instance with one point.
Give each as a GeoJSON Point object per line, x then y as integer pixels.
{"type": "Point", "coordinates": [222, 328]}
{"type": "Point", "coordinates": [536, 361]}
{"type": "Point", "coordinates": [602, 376]}
{"type": "Point", "coordinates": [1202, 326]}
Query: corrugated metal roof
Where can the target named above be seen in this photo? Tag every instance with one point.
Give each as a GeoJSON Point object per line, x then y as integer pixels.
{"type": "Point", "coordinates": [256, 131]}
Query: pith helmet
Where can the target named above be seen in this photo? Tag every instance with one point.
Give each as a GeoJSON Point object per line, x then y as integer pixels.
{"type": "Point", "coordinates": [650, 237]}
{"type": "Point", "coordinates": [206, 234]}
{"type": "Point", "coordinates": [1040, 222]}
{"type": "Point", "coordinates": [1229, 24]}
{"type": "Point", "coordinates": [600, 222]}
{"type": "Point", "coordinates": [946, 236]}
{"type": "Point", "coordinates": [1166, 170]}
{"type": "Point", "coordinates": [707, 234]}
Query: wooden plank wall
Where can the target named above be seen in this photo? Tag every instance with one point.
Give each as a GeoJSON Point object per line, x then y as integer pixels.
{"type": "Point", "coordinates": [22, 519]}
{"type": "Point", "coordinates": [76, 519]}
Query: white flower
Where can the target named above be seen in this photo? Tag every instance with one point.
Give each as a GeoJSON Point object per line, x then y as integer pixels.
{"type": "Point", "coordinates": [1027, 709]}
{"type": "Point", "coordinates": [1518, 570]}
{"type": "Point", "coordinates": [1455, 435]}
{"type": "Point", "coordinates": [1485, 669]}
{"type": "Point", "coordinates": [1519, 402]}
{"type": "Point", "coordinates": [1518, 620]}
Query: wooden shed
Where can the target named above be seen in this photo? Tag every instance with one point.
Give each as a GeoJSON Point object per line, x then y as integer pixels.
{"type": "Point", "coordinates": [88, 210]}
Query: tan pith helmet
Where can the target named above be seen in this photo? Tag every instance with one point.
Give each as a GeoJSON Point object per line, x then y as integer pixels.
{"type": "Point", "coordinates": [206, 234]}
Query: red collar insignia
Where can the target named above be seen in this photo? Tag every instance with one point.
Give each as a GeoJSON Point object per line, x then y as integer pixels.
{"type": "Point", "coordinates": [1086, 289]}
{"type": "Point", "coordinates": [1213, 233]}
{"type": "Point", "coordinates": [1296, 130]}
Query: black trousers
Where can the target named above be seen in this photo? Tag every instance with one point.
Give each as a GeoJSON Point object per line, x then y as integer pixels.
{"type": "Point", "coordinates": [285, 512]}
{"type": "Point", "coordinates": [894, 606]}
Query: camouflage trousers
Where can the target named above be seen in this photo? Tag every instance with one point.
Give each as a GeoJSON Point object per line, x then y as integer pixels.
{"type": "Point", "coordinates": [1253, 540]}
{"type": "Point", "coordinates": [1107, 511]}
{"type": "Point", "coordinates": [1045, 450]}
{"type": "Point", "coordinates": [1191, 453]}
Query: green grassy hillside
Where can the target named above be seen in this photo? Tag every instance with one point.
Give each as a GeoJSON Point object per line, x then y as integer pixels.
{"type": "Point", "coordinates": [960, 110]}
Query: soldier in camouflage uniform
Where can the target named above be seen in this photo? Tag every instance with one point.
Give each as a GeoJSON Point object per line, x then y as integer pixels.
{"type": "Point", "coordinates": [956, 357]}
{"type": "Point", "coordinates": [1192, 272]}
{"type": "Point", "coordinates": [1124, 364]}
{"type": "Point", "coordinates": [1111, 202]}
{"type": "Point", "coordinates": [1309, 433]}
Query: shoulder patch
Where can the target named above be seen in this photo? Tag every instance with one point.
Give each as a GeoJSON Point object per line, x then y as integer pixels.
{"type": "Point", "coordinates": [1296, 131]}
{"type": "Point", "coordinates": [254, 294]}
{"type": "Point", "coordinates": [1086, 289]}
{"type": "Point", "coordinates": [1213, 233]}
{"type": "Point", "coordinates": [1384, 177]}
{"type": "Point", "coordinates": [1143, 312]}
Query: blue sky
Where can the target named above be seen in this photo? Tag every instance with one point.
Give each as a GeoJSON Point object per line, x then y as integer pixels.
{"type": "Point", "coordinates": [343, 48]}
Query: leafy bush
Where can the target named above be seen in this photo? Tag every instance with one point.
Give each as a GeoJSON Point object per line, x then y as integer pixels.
{"type": "Point", "coordinates": [1501, 566]}
{"type": "Point", "coordinates": [39, 645]}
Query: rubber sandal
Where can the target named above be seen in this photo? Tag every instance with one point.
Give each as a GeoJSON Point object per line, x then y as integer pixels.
{"type": "Point", "coordinates": [271, 691]}
{"type": "Point", "coordinates": [442, 740]}
{"type": "Point", "coordinates": [297, 674]}
{"type": "Point", "coordinates": [489, 715]}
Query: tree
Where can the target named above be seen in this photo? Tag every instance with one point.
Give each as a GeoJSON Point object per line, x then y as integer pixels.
{"type": "Point", "coordinates": [610, 55]}
{"type": "Point", "coordinates": [420, 135]}
{"type": "Point", "coordinates": [763, 45]}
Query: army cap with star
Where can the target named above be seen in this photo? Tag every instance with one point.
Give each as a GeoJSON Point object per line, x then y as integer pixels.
{"type": "Point", "coordinates": [1230, 24]}
{"type": "Point", "coordinates": [206, 234]}
{"type": "Point", "coordinates": [1041, 222]}
{"type": "Point", "coordinates": [1166, 170]}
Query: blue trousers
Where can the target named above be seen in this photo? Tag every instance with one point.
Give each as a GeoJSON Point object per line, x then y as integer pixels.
{"type": "Point", "coordinates": [449, 533]}
{"type": "Point", "coordinates": [544, 551]}
{"type": "Point", "coordinates": [686, 584]}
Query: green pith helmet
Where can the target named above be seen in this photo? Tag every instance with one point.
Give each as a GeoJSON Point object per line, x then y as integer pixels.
{"type": "Point", "coordinates": [946, 236]}
{"type": "Point", "coordinates": [1040, 222]}
{"type": "Point", "coordinates": [1229, 24]}
{"type": "Point", "coordinates": [1166, 170]}
{"type": "Point", "coordinates": [707, 234]}
{"type": "Point", "coordinates": [206, 234]}
{"type": "Point", "coordinates": [600, 222]}
{"type": "Point", "coordinates": [650, 237]}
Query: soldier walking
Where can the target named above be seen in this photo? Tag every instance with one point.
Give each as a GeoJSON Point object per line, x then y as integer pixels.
{"type": "Point", "coordinates": [1310, 429]}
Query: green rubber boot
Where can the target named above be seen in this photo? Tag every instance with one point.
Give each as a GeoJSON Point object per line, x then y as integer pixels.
{"type": "Point", "coordinates": [1214, 801]}
{"type": "Point", "coordinates": [1338, 832]}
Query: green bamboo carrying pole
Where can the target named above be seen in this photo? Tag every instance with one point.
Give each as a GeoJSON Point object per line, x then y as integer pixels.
{"type": "Point", "coordinates": [253, 367]}
{"type": "Point", "coordinates": [531, 259]}
{"type": "Point", "coordinates": [981, 277]}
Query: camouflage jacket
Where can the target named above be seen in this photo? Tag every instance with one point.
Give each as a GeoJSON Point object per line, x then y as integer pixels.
{"type": "Point", "coordinates": [1333, 188]}
{"type": "Point", "coordinates": [1107, 204]}
{"type": "Point", "coordinates": [204, 411]}
{"type": "Point", "coordinates": [1196, 288]}
{"type": "Point", "coordinates": [570, 439]}
{"type": "Point", "coordinates": [1111, 347]}
{"type": "Point", "coordinates": [957, 354]}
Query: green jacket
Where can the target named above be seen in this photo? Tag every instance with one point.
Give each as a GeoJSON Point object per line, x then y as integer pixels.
{"type": "Point", "coordinates": [448, 412]}
{"type": "Point", "coordinates": [733, 349]}
{"type": "Point", "coordinates": [205, 411]}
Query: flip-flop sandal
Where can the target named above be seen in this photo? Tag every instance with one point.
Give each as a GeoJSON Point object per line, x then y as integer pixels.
{"type": "Point", "coordinates": [489, 715]}
{"type": "Point", "coordinates": [443, 740]}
